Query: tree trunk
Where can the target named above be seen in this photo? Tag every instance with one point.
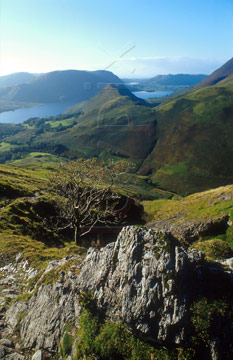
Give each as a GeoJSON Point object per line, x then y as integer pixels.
{"type": "Point", "coordinates": [76, 234]}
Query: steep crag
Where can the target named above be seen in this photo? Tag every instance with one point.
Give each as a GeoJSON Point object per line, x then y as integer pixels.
{"type": "Point", "coordinates": [145, 279]}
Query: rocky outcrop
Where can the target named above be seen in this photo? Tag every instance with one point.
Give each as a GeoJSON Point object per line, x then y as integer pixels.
{"type": "Point", "coordinates": [38, 323]}
{"type": "Point", "coordinates": [145, 279]}
{"type": "Point", "coordinates": [148, 281]}
{"type": "Point", "coordinates": [141, 280]}
{"type": "Point", "coordinates": [189, 231]}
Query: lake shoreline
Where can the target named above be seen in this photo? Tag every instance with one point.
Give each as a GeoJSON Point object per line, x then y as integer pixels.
{"type": "Point", "coordinates": [23, 113]}
{"type": "Point", "coordinates": [17, 113]}
{"type": "Point", "coordinates": [6, 106]}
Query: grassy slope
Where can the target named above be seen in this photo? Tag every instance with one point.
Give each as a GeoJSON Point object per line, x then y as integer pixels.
{"type": "Point", "coordinates": [195, 208]}
{"type": "Point", "coordinates": [194, 150]}
{"type": "Point", "coordinates": [23, 202]}
{"type": "Point", "coordinates": [15, 182]}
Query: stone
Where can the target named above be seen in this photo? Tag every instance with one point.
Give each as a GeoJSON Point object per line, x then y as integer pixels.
{"type": "Point", "coordinates": [7, 343]}
{"type": "Point", "coordinates": [37, 355]}
{"type": "Point", "coordinates": [15, 356]}
{"type": "Point", "coordinates": [18, 257]}
{"type": "Point", "coordinates": [227, 262]}
{"type": "Point", "coordinates": [2, 352]}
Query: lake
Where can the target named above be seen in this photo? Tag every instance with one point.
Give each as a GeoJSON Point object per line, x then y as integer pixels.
{"type": "Point", "coordinates": [151, 94]}
{"type": "Point", "coordinates": [20, 115]}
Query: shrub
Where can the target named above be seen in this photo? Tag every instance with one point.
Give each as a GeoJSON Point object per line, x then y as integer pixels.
{"type": "Point", "coordinates": [205, 314]}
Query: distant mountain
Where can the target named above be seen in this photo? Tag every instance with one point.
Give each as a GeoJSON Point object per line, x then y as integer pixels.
{"type": "Point", "coordinates": [16, 79]}
{"type": "Point", "coordinates": [60, 86]}
{"type": "Point", "coordinates": [164, 82]}
{"type": "Point", "coordinates": [218, 75]}
{"type": "Point", "coordinates": [177, 79]}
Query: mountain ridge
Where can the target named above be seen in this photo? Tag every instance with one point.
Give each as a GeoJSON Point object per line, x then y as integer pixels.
{"type": "Point", "coordinates": [218, 75]}
{"type": "Point", "coordinates": [16, 79]}
{"type": "Point", "coordinates": [170, 82]}
{"type": "Point", "coordinates": [60, 86]}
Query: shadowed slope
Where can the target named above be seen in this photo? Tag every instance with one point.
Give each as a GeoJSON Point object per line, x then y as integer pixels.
{"type": "Point", "coordinates": [194, 150]}
{"type": "Point", "coordinates": [218, 75]}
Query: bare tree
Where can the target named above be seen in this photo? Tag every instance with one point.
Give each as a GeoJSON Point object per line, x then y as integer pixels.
{"type": "Point", "coordinates": [86, 194]}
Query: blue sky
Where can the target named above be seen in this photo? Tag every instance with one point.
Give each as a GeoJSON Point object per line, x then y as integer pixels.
{"type": "Point", "coordinates": [132, 38]}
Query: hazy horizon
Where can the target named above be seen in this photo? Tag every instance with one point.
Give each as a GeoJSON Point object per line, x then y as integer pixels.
{"type": "Point", "coordinates": [129, 38]}
{"type": "Point", "coordinates": [121, 77]}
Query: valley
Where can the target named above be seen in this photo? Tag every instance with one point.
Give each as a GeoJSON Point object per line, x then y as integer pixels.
{"type": "Point", "coordinates": [155, 283]}
{"type": "Point", "coordinates": [183, 145]}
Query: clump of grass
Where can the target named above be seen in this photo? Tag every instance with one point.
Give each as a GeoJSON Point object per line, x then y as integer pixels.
{"type": "Point", "coordinates": [66, 345]}
{"type": "Point", "coordinates": [214, 249]}
{"type": "Point", "coordinates": [88, 329]}
{"type": "Point", "coordinates": [20, 317]}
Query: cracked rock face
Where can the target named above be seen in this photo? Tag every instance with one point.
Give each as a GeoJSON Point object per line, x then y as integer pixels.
{"type": "Point", "coordinates": [144, 279]}
{"type": "Point", "coordinates": [45, 314]}
{"type": "Point", "coordinates": [141, 279]}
